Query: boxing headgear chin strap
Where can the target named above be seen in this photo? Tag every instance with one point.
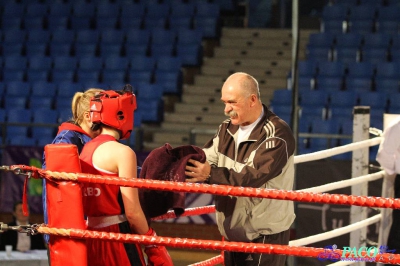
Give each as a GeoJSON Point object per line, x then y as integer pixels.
{"type": "Point", "coordinates": [114, 109]}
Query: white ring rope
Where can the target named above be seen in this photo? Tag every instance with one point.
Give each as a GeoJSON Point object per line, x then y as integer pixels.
{"type": "Point", "coordinates": [337, 150]}
{"type": "Point", "coordinates": [335, 232]}
{"type": "Point", "coordinates": [345, 183]}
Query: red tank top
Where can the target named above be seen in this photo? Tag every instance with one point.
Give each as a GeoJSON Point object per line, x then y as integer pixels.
{"type": "Point", "coordinates": [99, 199]}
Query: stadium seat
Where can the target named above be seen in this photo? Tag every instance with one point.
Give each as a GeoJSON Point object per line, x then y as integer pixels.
{"type": "Point", "coordinates": [359, 84]}
{"type": "Point", "coordinates": [374, 55]}
{"type": "Point", "coordinates": [374, 99]}
{"type": "Point", "coordinates": [361, 69]}
{"type": "Point", "coordinates": [331, 69]}
{"type": "Point", "coordinates": [343, 99]}
{"type": "Point", "coordinates": [313, 98]}
{"type": "Point", "coordinates": [41, 88]}
{"type": "Point", "coordinates": [36, 102]}
{"type": "Point", "coordinates": [18, 88]}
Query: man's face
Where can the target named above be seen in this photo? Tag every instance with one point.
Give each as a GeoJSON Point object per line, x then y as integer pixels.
{"type": "Point", "coordinates": [236, 105]}
{"type": "Point", "coordinates": [19, 215]}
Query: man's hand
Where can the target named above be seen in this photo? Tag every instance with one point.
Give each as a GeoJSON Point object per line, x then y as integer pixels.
{"type": "Point", "coordinates": [197, 171]}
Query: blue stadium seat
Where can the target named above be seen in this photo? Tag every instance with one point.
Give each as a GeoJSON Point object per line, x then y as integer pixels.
{"type": "Point", "coordinates": [133, 9]}
{"type": "Point", "coordinates": [314, 98]}
{"type": "Point", "coordinates": [149, 91]}
{"type": "Point", "coordinates": [116, 63]}
{"type": "Point", "coordinates": [156, 9]}
{"type": "Point", "coordinates": [39, 63]}
{"type": "Point", "coordinates": [36, 102]}
{"type": "Point", "coordinates": [321, 39]}
{"type": "Point", "coordinates": [171, 80]}
{"type": "Point", "coordinates": [142, 62]}
{"type": "Point", "coordinates": [89, 63]}
{"type": "Point", "coordinates": [18, 88]}
{"type": "Point", "coordinates": [362, 12]}
{"type": "Point", "coordinates": [83, 9]}
{"type": "Point", "coordinates": [34, 49]}
{"type": "Point", "coordinates": [106, 23]}
{"type": "Point", "coordinates": [36, 9]}
{"type": "Point", "coordinates": [334, 12]}
{"type": "Point", "coordinates": [14, 101]}
{"type": "Point", "coordinates": [211, 26]}
{"type": "Point", "coordinates": [67, 90]}
{"type": "Point", "coordinates": [349, 40]}
{"type": "Point", "coordinates": [107, 10]}
{"type": "Point", "coordinates": [388, 85]}
{"type": "Point", "coordinates": [112, 36]}
{"type": "Point", "coordinates": [15, 62]}
{"type": "Point", "coordinates": [110, 49]}
{"type": "Point", "coordinates": [319, 53]}
{"type": "Point", "coordinates": [42, 88]}
{"type": "Point", "coordinates": [359, 84]}
{"type": "Point", "coordinates": [361, 69]}
{"type": "Point", "coordinates": [331, 69]}
{"type": "Point", "coordinates": [360, 26]}
{"type": "Point", "coordinates": [13, 9]}
{"type": "Point", "coordinates": [155, 23]}
{"type": "Point", "coordinates": [307, 68]}
{"type": "Point", "coordinates": [329, 84]}
{"type": "Point", "coordinates": [320, 126]}
{"type": "Point", "coordinates": [191, 54]}
{"type": "Point", "coordinates": [84, 76]}
{"type": "Point", "coordinates": [282, 97]}
{"type": "Point", "coordinates": [12, 48]}
{"type": "Point", "coordinates": [87, 36]}
{"type": "Point", "coordinates": [11, 23]}
{"type": "Point", "coordinates": [63, 36]}
{"type": "Point", "coordinates": [17, 115]}
{"type": "Point", "coordinates": [374, 55]}
{"type": "Point", "coordinates": [332, 26]}
{"type": "Point", "coordinates": [60, 9]}
{"type": "Point", "coordinates": [60, 49]}
{"type": "Point", "coordinates": [140, 76]}
{"type": "Point", "coordinates": [377, 40]}
{"type": "Point", "coordinates": [179, 23]}
{"type": "Point", "coordinates": [128, 23]}
{"type": "Point", "coordinates": [32, 23]}
{"type": "Point", "coordinates": [343, 99]}
{"type": "Point", "coordinates": [346, 54]}
{"type": "Point", "coordinates": [388, 70]}
{"type": "Point", "coordinates": [33, 75]}
{"type": "Point", "coordinates": [65, 63]}
{"type": "Point", "coordinates": [85, 49]}
{"type": "Point", "coordinates": [56, 22]}
{"type": "Point", "coordinates": [20, 141]}
{"type": "Point", "coordinates": [374, 99]}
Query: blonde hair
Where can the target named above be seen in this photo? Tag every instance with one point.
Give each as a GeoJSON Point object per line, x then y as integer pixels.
{"type": "Point", "coordinates": [80, 104]}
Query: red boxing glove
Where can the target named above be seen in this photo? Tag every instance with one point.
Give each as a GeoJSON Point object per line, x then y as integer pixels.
{"type": "Point", "coordinates": [157, 255]}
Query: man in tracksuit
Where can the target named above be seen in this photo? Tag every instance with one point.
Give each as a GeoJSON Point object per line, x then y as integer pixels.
{"type": "Point", "coordinates": [252, 148]}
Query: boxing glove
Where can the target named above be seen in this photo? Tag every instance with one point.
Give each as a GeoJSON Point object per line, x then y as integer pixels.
{"type": "Point", "coordinates": [157, 255]}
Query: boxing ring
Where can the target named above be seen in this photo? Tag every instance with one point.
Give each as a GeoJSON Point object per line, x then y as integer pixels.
{"type": "Point", "coordinates": [358, 201]}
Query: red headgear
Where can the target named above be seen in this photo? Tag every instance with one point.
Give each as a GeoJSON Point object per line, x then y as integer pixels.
{"type": "Point", "coordinates": [114, 109]}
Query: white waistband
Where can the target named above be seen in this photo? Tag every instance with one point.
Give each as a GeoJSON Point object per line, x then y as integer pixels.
{"type": "Point", "coordinates": [103, 221]}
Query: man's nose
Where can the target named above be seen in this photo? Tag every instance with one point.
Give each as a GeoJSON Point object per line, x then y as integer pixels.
{"type": "Point", "coordinates": [228, 108]}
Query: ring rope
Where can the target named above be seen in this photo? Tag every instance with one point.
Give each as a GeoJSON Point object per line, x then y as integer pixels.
{"type": "Point", "coordinates": [345, 183]}
{"type": "Point", "coordinates": [337, 150]}
{"type": "Point", "coordinates": [224, 190]}
{"type": "Point", "coordinates": [202, 244]}
{"type": "Point", "coordinates": [187, 212]}
{"type": "Point", "coordinates": [335, 232]}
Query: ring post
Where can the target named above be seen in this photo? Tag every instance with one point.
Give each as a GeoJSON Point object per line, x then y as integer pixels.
{"type": "Point", "coordinates": [359, 167]}
{"type": "Point", "coordinates": [64, 206]}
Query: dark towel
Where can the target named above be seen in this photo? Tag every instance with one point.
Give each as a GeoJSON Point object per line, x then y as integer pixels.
{"type": "Point", "coordinates": [168, 164]}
